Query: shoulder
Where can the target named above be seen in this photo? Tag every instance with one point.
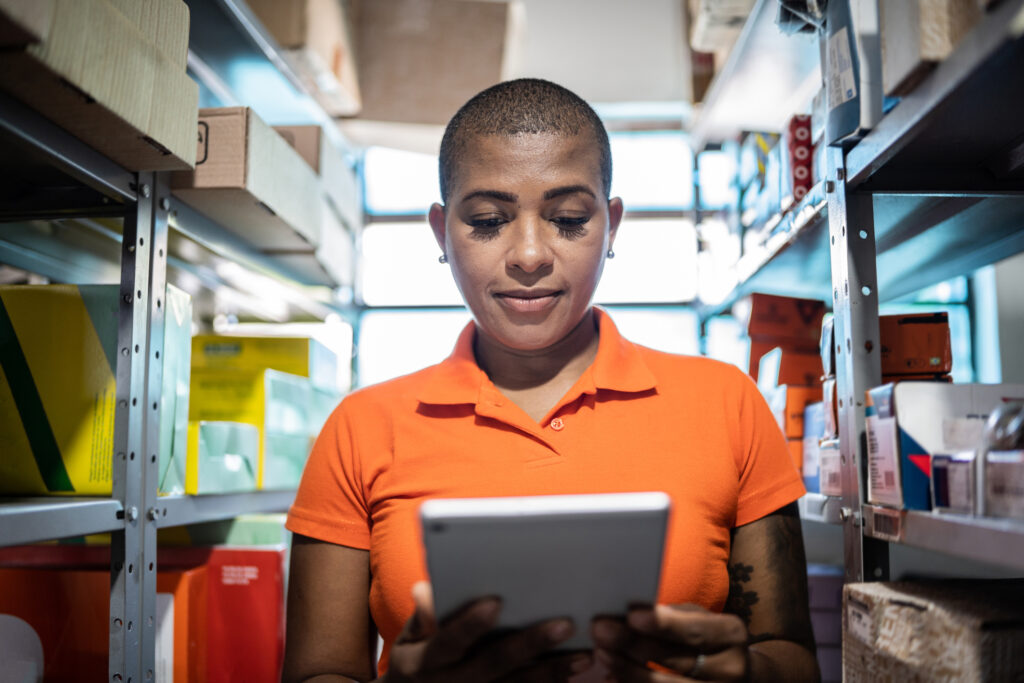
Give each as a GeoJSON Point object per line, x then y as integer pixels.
{"type": "Point", "coordinates": [673, 367]}
{"type": "Point", "coordinates": [390, 395]}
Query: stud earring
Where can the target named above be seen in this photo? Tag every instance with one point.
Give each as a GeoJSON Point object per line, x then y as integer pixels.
{"type": "Point", "coordinates": [442, 259]}
{"type": "Point", "coordinates": [610, 254]}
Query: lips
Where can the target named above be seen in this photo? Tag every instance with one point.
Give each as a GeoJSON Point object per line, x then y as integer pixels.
{"type": "Point", "coordinates": [528, 300]}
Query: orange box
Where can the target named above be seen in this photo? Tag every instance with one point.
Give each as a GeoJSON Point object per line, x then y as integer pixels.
{"type": "Point", "coordinates": [787, 321]}
{"type": "Point", "coordinates": [915, 344]}
{"type": "Point", "coordinates": [69, 608]}
{"type": "Point", "coordinates": [799, 366]}
{"type": "Point", "coordinates": [796, 451]}
{"type": "Point", "coordinates": [787, 405]}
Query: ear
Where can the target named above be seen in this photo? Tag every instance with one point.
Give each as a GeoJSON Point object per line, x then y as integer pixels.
{"type": "Point", "coordinates": [436, 216]}
{"type": "Point", "coordinates": [615, 210]}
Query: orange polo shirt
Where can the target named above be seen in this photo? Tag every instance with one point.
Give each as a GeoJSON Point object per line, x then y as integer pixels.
{"type": "Point", "coordinates": [636, 420]}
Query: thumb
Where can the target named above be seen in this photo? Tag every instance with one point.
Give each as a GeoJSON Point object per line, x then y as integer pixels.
{"type": "Point", "coordinates": [423, 623]}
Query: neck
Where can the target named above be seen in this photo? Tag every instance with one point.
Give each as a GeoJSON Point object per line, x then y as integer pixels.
{"type": "Point", "coordinates": [516, 370]}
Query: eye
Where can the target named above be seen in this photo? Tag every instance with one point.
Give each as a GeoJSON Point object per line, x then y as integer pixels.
{"type": "Point", "coordinates": [571, 226]}
{"type": "Point", "coordinates": [486, 227]}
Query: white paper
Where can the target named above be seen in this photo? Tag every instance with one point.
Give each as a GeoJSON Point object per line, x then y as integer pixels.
{"type": "Point", "coordinates": [883, 462]}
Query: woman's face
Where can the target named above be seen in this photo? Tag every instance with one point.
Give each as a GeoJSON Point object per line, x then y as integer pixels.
{"type": "Point", "coordinates": [526, 230]}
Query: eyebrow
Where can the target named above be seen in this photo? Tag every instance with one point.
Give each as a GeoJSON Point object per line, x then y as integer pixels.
{"type": "Point", "coordinates": [569, 189]}
{"type": "Point", "coordinates": [492, 194]}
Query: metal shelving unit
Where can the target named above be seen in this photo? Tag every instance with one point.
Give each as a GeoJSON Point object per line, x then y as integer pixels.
{"type": "Point", "coordinates": [818, 508]}
{"type": "Point", "coordinates": [56, 200]}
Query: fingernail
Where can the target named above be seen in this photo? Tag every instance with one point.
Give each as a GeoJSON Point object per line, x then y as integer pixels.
{"type": "Point", "coordinates": [489, 609]}
{"type": "Point", "coordinates": [580, 663]}
{"type": "Point", "coordinates": [559, 630]}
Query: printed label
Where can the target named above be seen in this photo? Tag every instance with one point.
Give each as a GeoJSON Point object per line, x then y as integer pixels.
{"type": "Point", "coordinates": [883, 461]}
{"type": "Point", "coordinates": [841, 84]}
{"type": "Point", "coordinates": [233, 575]}
{"type": "Point", "coordinates": [858, 621]}
{"type": "Point", "coordinates": [962, 433]}
{"type": "Point", "coordinates": [961, 486]}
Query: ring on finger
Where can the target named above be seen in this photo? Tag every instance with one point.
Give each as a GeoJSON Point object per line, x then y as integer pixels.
{"type": "Point", "coordinates": [698, 666]}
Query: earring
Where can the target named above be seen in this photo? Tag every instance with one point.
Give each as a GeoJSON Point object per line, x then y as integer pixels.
{"type": "Point", "coordinates": [610, 254]}
{"type": "Point", "coordinates": [442, 259]}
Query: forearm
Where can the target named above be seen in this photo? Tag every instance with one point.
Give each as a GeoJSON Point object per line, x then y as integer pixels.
{"type": "Point", "coordinates": [783, 660]}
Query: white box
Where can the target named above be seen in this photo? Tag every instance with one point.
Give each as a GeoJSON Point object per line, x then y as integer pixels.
{"type": "Point", "coordinates": [954, 485]}
{"type": "Point", "coordinates": [1004, 484]}
{"type": "Point", "coordinates": [830, 469]}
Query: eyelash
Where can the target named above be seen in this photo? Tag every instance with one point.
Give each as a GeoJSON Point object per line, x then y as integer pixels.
{"type": "Point", "coordinates": [569, 227]}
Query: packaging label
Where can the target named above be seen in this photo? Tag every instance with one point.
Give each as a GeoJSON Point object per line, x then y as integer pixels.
{"type": "Point", "coordinates": [962, 433]}
{"type": "Point", "coordinates": [1004, 484]}
{"type": "Point", "coordinates": [883, 462]}
{"type": "Point", "coordinates": [232, 575]}
{"type": "Point", "coordinates": [164, 670]}
{"type": "Point", "coordinates": [858, 621]}
{"type": "Point", "coordinates": [831, 476]}
{"type": "Point", "coordinates": [961, 486]}
{"type": "Point", "coordinates": [842, 87]}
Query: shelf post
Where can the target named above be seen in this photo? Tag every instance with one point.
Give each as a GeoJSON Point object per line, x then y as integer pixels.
{"type": "Point", "coordinates": [858, 354]}
{"type": "Point", "coordinates": [137, 432]}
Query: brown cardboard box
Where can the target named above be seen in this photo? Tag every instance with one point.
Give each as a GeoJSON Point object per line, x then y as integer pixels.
{"type": "Point", "coordinates": [918, 33]}
{"type": "Point", "coordinates": [164, 23]}
{"type": "Point", "coordinates": [252, 182]}
{"type": "Point", "coordinates": [788, 405]}
{"type": "Point", "coordinates": [915, 344]}
{"type": "Point", "coordinates": [933, 631]}
{"type": "Point", "coordinates": [98, 77]}
{"type": "Point", "coordinates": [315, 37]}
{"type": "Point", "coordinates": [332, 263]}
{"type": "Point", "coordinates": [786, 321]}
{"type": "Point", "coordinates": [24, 21]}
{"type": "Point", "coordinates": [411, 72]}
{"type": "Point", "coordinates": [338, 180]}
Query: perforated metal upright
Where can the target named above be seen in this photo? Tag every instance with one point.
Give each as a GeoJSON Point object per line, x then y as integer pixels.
{"type": "Point", "coordinates": [137, 432]}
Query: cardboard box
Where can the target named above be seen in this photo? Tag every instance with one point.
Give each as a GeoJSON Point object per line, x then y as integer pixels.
{"type": "Point", "coordinates": [303, 356]}
{"type": "Point", "coordinates": [58, 385]}
{"type": "Point", "coordinates": [954, 483]}
{"type": "Point", "coordinates": [933, 631]}
{"type": "Point", "coordinates": [245, 609]}
{"type": "Point", "coordinates": [223, 457]}
{"type": "Point", "coordinates": [338, 179]}
{"type": "Point", "coordinates": [916, 34]}
{"type": "Point", "coordinates": [788, 404]}
{"type": "Point", "coordinates": [23, 22]}
{"type": "Point", "coordinates": [915, 344]}
{"type": "Point", "coordinates": [1004, 484]}
{"type": "Point", "coordinates": [164, 23]}
{"type": "Point", "coordinates": [830, 468]}
{"type": "Point", "coordinates": [76, 645]}
{"type": "Point", "coordinates": [814, 428]}
{"type": "Point", "coordinates": [276, 403]}
{"type": "Point", "coordinates": [780, 366]}
{"type": "Point", "coordinates": [252, 182]}
{"type": "Point", "coordinates": [332, 262]}
{"type": "Point", "coordinates": [789, 322]}
{"type": "Point", "coordinates": [909, 421]}
{"type": "Point", "coordinates": [98, 77]}
{"type": "Point", "coordinates": [316, 41]}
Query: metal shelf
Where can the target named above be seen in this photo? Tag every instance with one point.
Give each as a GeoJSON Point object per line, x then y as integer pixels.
{"type": "Point", "coordinates": [965, 115]}
{"type": "Point", "coordinates": [767, 77]}
{"type": "Point", "coordinates": [816, 507]}
{"type": "Point", "coordinates": [997, 541]}
{"type": "Point", "coordinates": [793, 261]}
{"type": "Point", "coordinates": [30, 520]}
{"type": "Point", "coordinates": [180, 510]}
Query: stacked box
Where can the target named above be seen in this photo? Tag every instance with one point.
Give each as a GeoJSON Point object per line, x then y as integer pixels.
{"type": "Point", "coordinates": [302, 356]}
{"type": "Point", "coordinates": [917, 344]}
{"type": "Point", "coordinates": [962, 630]}
{"type": "Point", "coordinates": [116, 80]}
{"type": "Point", "coordinates": [223, 457]}
{"type": "Point", "coordinates": [58, 382]}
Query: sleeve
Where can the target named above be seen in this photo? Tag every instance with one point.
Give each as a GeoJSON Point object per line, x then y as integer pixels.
{"type": "Point", "coordinates": [331, 502]}
{"type": "Point", "coordinates": [769, 478]}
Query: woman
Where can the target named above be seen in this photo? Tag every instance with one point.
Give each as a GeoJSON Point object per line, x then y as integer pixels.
{"type": "Point", "coordinates": [542, 396]}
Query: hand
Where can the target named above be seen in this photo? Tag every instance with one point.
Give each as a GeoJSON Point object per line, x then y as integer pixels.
{"type": "Point", "coordinates": [464, 649]}
{"type": "Point", "coordinates": [687, 642]}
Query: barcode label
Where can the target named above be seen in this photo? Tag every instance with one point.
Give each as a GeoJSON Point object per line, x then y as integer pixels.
{"type": "Point", "coordinates": [887, 524]}
{"type": "Point", "coordinates": [833, 479]}
{"type": "Point", "coordinates": [890, 479]}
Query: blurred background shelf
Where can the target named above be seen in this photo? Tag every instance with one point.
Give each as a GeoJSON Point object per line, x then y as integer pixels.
{"type": "Point", "coordinates": [816, 507]}
{"type": "Point", "coordinates": [179, 510]}
{"type": "Point", "coordinates": [997, 541]}
{"type": "Point", "coordinates": [30, 520]}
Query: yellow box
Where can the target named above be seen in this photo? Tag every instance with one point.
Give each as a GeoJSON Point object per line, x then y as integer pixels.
{"type": "Point", "coordinates": [302, 356]}
{"type": "Point", "coordinates": [58, 358]}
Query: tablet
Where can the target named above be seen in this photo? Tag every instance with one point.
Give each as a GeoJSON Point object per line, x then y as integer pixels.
{"type": "Point", "coordinates": [547, 556]}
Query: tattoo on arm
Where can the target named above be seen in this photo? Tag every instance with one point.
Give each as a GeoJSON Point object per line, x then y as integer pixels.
{"type": "Point", "coordinates": [740, 600]}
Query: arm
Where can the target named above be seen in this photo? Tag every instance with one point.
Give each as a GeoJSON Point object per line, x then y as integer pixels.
{"type": "Point", "coordinates": [768, 590]}
{"type": "Point", "coordinates": [330, 635]}
{"type": "Point", "coordinates": [764, 636]}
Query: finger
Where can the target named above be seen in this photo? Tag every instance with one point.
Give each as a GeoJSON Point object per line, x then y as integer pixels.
{"type": "Point", "coordinates": [640, 648]}
{"type": "Point", "coordinates": [423, 623]}
{"type": "Point", "coordinates": [513, 651]}
{"type": "Point", "coordinates": [458, 634]}
{"type": "Point", "coordinates": [553, 669]}
{"type": "Point", "coordinates": [698, 628]}
{"type": "Point", "coordinates": [623, 670]}
{"type": "Point", "coordinates": [729, 665]}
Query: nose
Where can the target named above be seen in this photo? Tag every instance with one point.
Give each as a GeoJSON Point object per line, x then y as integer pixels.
{"type": "Point", "coordinates": [530, 250]}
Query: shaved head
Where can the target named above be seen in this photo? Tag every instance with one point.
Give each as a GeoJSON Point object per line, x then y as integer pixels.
{"type": "Point", "coordinates": [519, 107]}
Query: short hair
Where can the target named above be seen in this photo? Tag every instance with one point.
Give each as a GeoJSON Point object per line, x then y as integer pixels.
{"type": "Point", "coordinates": [524, 105]}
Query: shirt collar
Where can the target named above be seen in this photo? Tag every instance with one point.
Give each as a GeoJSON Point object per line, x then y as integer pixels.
{"type": "Point", "coordinates": [618, 366]}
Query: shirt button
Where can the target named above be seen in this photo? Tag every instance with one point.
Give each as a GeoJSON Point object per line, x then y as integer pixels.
{"type": "Point", "coordinates": [557, 424]}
